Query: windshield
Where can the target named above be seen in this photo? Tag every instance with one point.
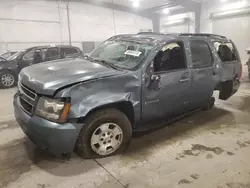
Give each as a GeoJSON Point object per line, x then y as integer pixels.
{"type": "Point", "coordinates": [14, 56]}
{"type": "Point", "coordinates": [121, 54]}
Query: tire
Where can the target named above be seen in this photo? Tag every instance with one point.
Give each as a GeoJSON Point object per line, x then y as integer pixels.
{"type": "Point", "coordinates": [93, 122]}
{"type": "Point", "coordinates": [210, 104]}
{"type": "Point", "coordinates": [7, 75]}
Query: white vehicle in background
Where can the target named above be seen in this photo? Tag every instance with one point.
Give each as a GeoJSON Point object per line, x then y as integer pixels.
{"type": "Point", "coordinates": [9, 53]}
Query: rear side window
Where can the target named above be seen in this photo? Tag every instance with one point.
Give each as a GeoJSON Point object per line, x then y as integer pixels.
{"type": "Point", "coordinates": [226, 51]}
{"type": "Point", "coordinates": [67, 51]}
{"type": "Point", "coordinates": [201, 54]}
{"type": "Point", "coordinates": [52, 52]}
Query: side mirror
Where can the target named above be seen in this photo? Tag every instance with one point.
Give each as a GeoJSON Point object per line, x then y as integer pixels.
{"type": "Point", "coordinates": [155, 78]}
{"type": "Point", "coordinates": [20, 57]}
{"type": "Point", "coordinates": [86, 55]}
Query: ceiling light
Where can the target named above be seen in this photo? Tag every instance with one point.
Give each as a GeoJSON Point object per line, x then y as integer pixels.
{"type": "Point", "coordinates": [233, 12]}
{"type": "Point", "coordinates": [166, 11]}
{"type": "Point", "coordinates": [136, 3]}
{"type": "Point", "coordinates": [223, 1]}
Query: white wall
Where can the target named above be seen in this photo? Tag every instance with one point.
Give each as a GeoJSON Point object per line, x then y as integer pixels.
{"type": "Point", "coordinates": [28, 23]}
{"type": "Point", "coordinates": [171, 24]}
{"type": "Point", "coordinates": [236, 28]}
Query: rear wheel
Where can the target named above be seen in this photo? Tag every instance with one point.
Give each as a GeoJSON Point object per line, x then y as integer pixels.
{"type": "Point", "coordinates": [105, 132]}
{"type": "Point", "coordinates": [7, 79]}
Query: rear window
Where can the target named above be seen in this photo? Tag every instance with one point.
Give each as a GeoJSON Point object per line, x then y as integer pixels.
{"type": "Point", "coordinates": [226, 51]}
{"type": "Point", "coordinates": [67, 51]}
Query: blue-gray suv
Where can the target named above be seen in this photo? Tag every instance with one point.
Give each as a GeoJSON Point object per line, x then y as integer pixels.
{"type": "Point", "coordinates": [93, 104]}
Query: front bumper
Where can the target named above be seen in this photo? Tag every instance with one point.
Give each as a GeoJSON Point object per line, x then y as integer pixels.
{"type": "Point", "coordinates": [56, 138]}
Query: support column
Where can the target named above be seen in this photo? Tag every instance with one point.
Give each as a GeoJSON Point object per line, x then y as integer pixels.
{"type": "Point", "coordinates": [198, 19]}
{"type": "Point", "coordinates": [68, 20]}
{"type": "Point", "coordinates": [156, 24]}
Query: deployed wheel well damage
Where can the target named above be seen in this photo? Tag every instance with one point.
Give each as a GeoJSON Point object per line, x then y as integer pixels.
{"type": "Point", "coordinates": [125, 107]}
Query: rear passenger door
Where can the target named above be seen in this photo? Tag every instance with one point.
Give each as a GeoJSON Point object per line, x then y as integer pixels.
{"type": "Point", "coordinates": [203, 74]}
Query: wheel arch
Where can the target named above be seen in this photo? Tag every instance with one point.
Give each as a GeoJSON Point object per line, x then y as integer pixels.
{"type": "Point", "coordinates": [9, 70]}
{"type": "Point", "coordinates": [125, 107]}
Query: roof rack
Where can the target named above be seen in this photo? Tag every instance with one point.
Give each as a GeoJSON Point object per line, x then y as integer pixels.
{"type": "Point", "coordinates": [150, 33]}
{"type": "Point", "coordinates": [183, 34]}
{"type": "Point", "coordinates": [202, 35]}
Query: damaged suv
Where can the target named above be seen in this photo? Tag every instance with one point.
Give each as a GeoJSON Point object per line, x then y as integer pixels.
{"type": "Point", "coordinates": [93, 104]}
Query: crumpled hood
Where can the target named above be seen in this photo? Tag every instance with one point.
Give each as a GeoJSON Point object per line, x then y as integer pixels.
{"type": "Point", "coordinates": [46, 78]}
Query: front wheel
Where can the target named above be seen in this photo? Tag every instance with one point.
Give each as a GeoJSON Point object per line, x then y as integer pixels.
{"type": "Point", "coordinates": [7, 79]}
{"type": "Point", "coordinates": [105, 132]}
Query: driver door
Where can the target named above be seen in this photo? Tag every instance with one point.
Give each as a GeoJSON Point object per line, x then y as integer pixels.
{"type": "Point", "coordinates": [166, 92]}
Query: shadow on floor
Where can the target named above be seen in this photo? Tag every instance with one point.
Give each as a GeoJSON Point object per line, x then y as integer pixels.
{"type": "Point", "coordinates": [211, 120]}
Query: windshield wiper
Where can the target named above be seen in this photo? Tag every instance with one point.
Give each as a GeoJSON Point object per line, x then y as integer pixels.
{"type": "Point", "coordinates": [89, 58]}
{"type": "Point", "coordinates": [106, 63]}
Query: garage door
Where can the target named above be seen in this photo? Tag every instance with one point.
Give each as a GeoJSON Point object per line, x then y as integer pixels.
{"type": "Point", "coordinates": [237, 29]}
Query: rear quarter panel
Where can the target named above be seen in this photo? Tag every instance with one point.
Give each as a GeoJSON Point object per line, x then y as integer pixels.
{"type": "Point", "coordinates": [227, 70]}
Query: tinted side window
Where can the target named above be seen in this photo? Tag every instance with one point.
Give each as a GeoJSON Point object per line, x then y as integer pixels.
{"type": "Point", "coordinates": [52, 52]}
{"type": "Point", "coordinates": [226, 51]}
{"type": "Point", "coordinates": [201, 54]}
{"type": "Point", "coordinates": [6, 55]}
{"type": "Point", "coordinates": [29, 55]}
{"type": "Point", "coordinates": [67, 51]}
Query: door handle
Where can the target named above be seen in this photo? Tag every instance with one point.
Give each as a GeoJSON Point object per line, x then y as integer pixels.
{"type": "Point", "coordinates": [184, 80]}
{"type": "Point", "coordinates": [185, 77]}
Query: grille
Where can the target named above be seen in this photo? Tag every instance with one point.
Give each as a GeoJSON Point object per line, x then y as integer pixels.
{"type": "Point", "coordinates": [27, 98]}
{"type": "Point", "coordinates": [28, 92]}
{"type": "Point", "coordinates": [26, 106]}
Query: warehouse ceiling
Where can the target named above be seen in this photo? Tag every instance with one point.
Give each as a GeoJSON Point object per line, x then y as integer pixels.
{"type": "Point", "coordinates": [153, 6]}
{"type": "Point", "coordinates": [146, 7]}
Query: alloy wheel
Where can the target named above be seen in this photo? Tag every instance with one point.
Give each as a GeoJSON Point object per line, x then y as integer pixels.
{"type": "Point", "coordinates": [106, 139]}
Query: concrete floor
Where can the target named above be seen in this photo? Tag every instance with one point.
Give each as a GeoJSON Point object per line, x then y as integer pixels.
{"type": "Point", "coordinates": [207, 149]}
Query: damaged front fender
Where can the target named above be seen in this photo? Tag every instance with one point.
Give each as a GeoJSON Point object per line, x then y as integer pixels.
{"type": "Point", "coordinates": [87, 96]}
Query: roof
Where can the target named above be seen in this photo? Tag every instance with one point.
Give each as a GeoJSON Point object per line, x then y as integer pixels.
{"type": "Point", "coordinates": [152, 36]}
{"type": "Point", "coordinates": [47, 46]}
